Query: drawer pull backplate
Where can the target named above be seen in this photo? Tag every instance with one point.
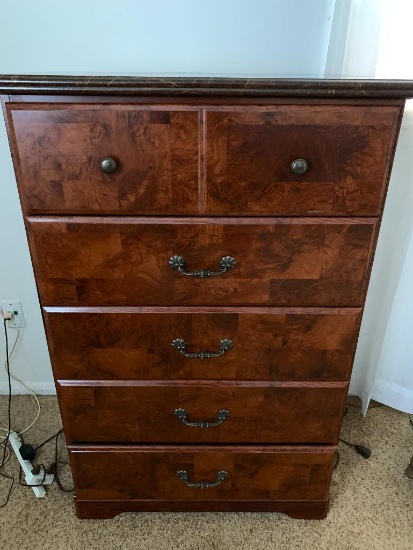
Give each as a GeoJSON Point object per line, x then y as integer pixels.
{"type": "Point", "coordinates": [183, 417]}
{"type": "Point", "coordinates": [178, 264]}
{"type": "Point", "coordinates": [224, 346]}
{"type": "Point", "coordinates": [221, 476]}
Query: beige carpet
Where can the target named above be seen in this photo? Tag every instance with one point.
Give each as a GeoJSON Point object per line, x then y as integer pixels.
{"type": "Point", "coordinates": [371, 502]}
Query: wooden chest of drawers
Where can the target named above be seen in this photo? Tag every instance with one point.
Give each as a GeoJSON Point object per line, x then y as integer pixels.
{"type": "Point", "coordinates": [202, 250]}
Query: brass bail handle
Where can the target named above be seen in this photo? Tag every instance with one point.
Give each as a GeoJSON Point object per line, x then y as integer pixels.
{"type": "Point", "coordinates": [177, 263]}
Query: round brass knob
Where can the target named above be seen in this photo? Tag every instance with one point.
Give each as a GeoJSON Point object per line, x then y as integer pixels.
{"type": "Point", "coordinates": [299, 167]}
{"type": "Point", "coordinates": [107, 165]}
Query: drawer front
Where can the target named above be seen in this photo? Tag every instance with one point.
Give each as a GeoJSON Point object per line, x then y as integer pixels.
{"type": "Point", "coordinates": [137, 343]}
{"type": "Point", "coordinates": [58, 150]}
{"type": "Point", "coordinates": [238, 412]}
{"type": "Point", "coordinates": [347, 149]}
{"type": "Point", "coordinates": [254, 473]}
{"type": "Point", "coordinates": [238, 161]}
{"type": "Point", "coordinates": [125, 261]}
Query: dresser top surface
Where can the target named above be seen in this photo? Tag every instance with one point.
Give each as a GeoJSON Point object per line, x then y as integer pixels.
{"type": "Point", "coordinates": [196, 85]}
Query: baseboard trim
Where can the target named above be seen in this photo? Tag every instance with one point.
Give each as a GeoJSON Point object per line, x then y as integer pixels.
{"type": "Point", "coordinates": [40, 388]}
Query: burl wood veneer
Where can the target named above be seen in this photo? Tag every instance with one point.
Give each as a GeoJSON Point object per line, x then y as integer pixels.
{"type": "Point", "coordinates": [189, 160]}
{"type": "Point", "coordinates": [156, 153]}
{"type": "Point", "coordinates": [180, 389]}
{"type": "Point", "coordinates": [124, 261]}
{"type": "Point", "coordinates": [259, 412]}
{"type": "Point", "coordinates": [114, 343]}
{"type": "Point", "coordinates": [259, 479]}
{"type": "Point", "coordinates": [250, 151]}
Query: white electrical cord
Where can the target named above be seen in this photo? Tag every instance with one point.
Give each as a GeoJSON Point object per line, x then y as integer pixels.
{"type": "Point", "coordinates": [27, 388]}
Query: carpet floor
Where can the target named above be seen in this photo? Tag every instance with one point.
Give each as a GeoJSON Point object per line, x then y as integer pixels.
{"type": "Point", "coordinates": [371, 501]}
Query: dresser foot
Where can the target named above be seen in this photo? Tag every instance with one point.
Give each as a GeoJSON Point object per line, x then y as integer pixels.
{"type": "Point", "coordinates": [310, 510]}
{"type": "Point", "coordinates": [92, 509]}
{"type": "Point", "coordinates": [108, 509]}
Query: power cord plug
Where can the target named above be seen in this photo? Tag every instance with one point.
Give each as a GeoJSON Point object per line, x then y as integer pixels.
{"type": "Point", "coordinates": [27, 452]}
{"type": "Point", "coordinates": [7, 315]}
{"type": "Point", "coordinates": [362, 450]}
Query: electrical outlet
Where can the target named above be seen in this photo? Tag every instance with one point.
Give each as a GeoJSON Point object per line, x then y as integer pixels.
{"type": "Point", "coordinates": [15, 306]}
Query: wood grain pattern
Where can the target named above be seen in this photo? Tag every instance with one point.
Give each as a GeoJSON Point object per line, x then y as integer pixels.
{"type": "Point", "coordinates": [180, 85]}
{"type": "Point", "coordinates": [132, 343]}
{"type": "Point", "coordinates": [143, 412]}
{"type": "Point", "coordinates": [250, 151]}
{"type": "Point", "coordinates": [59, 148]}
{"type": "Point", "coordinates": [255, 473]}
{"type": "Point", "coordinates": [245, 168]}
{"type": "Point", "coordinates": [124, 261]}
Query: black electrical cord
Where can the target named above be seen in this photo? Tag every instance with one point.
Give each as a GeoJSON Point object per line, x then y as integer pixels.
{"type": "Point", "coordinates": [55, 465]}
{"type": "Point", "coordinates": [56, 435]}
{"type": "Point", "coordinates": [362, 450]}
{"type": "Point", "coordinates": [53, 468]}
{"type": "Point", "coordinates": [6, 440]}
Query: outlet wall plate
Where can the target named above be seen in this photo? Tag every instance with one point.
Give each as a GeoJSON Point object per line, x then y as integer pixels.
{"type": "Point", "coordinates": [15, 306]}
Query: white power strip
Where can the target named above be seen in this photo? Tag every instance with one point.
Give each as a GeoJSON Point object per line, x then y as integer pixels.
{"type": "Point", "coordinates": [27, 468]}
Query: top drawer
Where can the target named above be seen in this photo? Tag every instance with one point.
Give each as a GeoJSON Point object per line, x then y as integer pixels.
{"type": "Point", "coordinates": [193, 159]}
{"type": "Point", "coordinates": [59, 149]}
{"type": "Point", "coordinates": [346, 149]}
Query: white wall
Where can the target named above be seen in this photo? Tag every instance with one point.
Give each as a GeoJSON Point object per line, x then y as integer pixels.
{"type": "Point", "coordinates": [229, 36]}
{"type": "Point", "coordinates": [106, 37]}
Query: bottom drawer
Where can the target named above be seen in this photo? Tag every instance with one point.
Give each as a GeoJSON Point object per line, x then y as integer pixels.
{"type": "Point", "coordinates": [113, 479]}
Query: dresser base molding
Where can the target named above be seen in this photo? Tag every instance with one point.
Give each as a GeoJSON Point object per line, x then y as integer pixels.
{"type": "Point", "coordinates": [108, 509]}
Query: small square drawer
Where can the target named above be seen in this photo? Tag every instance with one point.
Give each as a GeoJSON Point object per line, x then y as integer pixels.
{"type": "Point", "coordinates": [120, 159]}
{"type": "Point", "coordinates": [299, 159]}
